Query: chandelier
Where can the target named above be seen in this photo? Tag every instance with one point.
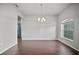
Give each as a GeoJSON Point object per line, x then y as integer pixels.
{"type": "Point", "coordinates": [41, 18]}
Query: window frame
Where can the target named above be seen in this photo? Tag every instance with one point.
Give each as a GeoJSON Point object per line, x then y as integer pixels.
{"type": "Point", "coordinates": [62, 29]}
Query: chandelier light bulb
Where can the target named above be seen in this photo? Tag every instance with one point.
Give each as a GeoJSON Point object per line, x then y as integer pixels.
{"type": "Point", "coordinates": [43, 18]}
{"type": "Point", "coordinates": [39, 19]}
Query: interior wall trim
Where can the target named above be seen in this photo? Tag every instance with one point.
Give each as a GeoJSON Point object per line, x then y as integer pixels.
{"type": "Point", "coordinates": [7, 48]}
{"type": "Point", "coordinates": [38, 39]}
{"type": "Point", "coordinates": [69, 45]}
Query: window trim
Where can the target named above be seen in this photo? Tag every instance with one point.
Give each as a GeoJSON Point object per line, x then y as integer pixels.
{"type": "Point", "coordinates": [62, 28]}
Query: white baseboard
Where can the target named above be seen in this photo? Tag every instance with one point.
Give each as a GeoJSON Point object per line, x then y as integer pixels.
{"type": "Point", "coordinates": [69, 45]}
{"type": "Point", "coordinates": [38, 39]}
{"type": "Point", "coordinates": [7, 48]}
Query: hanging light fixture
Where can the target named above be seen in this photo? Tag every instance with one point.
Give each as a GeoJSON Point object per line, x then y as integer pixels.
{"type": "Point", "coordinates": [39, 19]}
{"type": "Point", "coordinates": [42, 18]}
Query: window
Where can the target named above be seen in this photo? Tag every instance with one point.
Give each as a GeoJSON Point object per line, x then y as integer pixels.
{"type": "Point", "coordinates": [67, 29]}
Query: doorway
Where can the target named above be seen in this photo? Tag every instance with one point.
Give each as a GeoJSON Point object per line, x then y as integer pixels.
{"type": "Point", "coordinates": [19, 29]}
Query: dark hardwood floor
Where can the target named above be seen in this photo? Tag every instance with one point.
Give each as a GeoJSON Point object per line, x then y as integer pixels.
{"type": "Point", "coordinates": [40, 47]}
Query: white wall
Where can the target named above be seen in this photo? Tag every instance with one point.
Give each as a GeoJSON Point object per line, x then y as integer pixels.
{"type": "Point", "coordinates": [71, 12]}
{"type": "Point", "coordinates": [8, 25]}
{"type": "Point", "coordinates": [34, 30]}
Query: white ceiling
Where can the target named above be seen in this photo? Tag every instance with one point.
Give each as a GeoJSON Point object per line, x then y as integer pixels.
{"type": "Point", "coordinates": [48, 8]}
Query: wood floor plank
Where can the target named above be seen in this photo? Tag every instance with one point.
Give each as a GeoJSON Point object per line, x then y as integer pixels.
{"type": "Point", "coordinates": [40, 47]}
